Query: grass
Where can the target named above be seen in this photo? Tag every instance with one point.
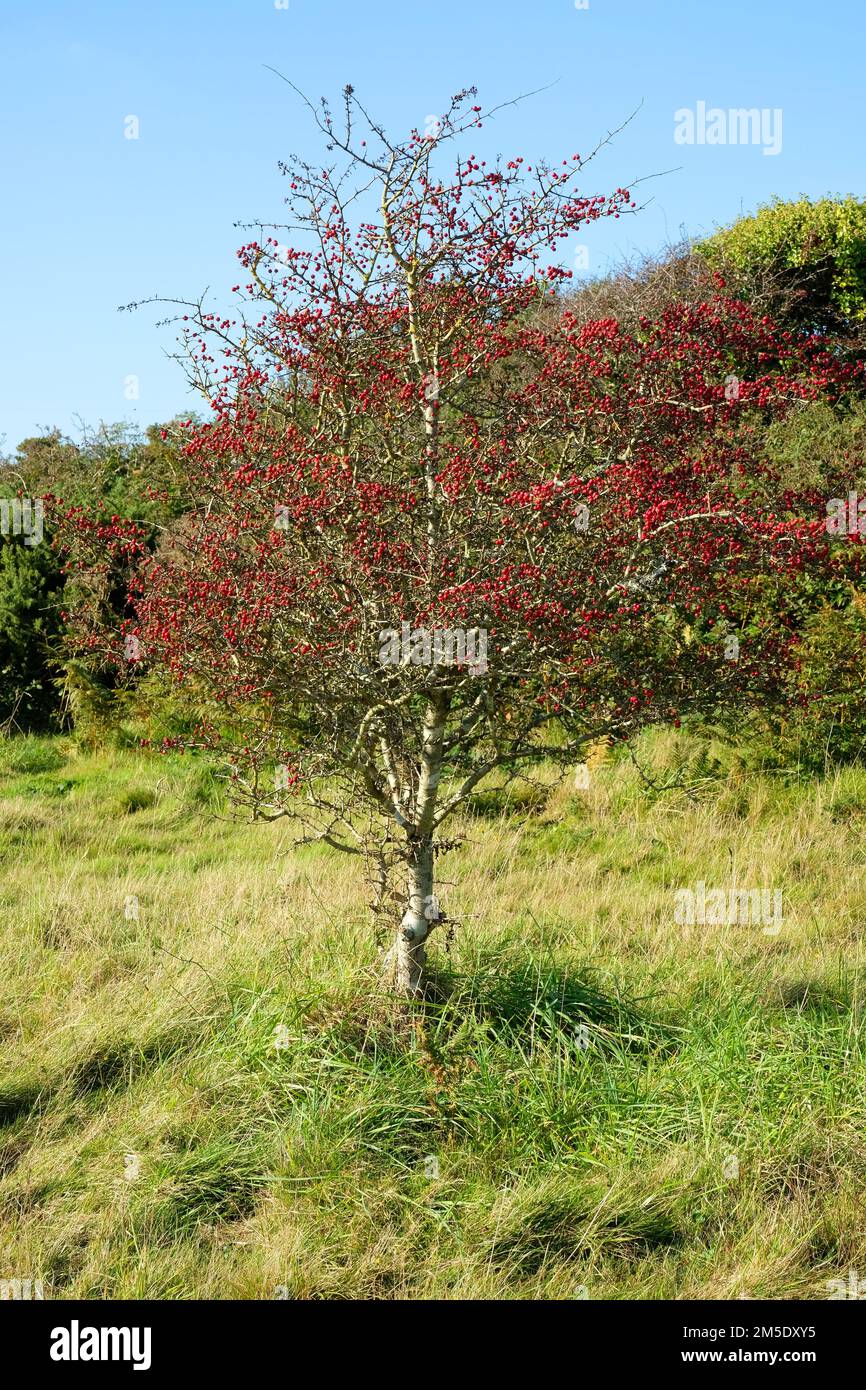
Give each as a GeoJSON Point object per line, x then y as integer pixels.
{"type": "Point", "coordinates": [202, 1094]}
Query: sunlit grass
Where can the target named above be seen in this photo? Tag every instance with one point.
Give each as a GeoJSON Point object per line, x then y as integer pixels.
{"type": "Point", "coordinates": [203, 1094]}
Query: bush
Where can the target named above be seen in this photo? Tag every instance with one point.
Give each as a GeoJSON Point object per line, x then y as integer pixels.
{"type": "Point", "coordinates": [30, 584]}
{"type": "Point", "coordinates": [827, 723]}
{"type": "Point", "coordinates": [813, 252]}
{"type": "Point", "coordinates": [115, 471]}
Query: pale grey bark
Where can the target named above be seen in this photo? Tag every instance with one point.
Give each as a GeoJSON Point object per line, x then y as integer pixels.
{"type": "Point", "coordinates": [406, 960]}
{"type": "Point", "coordinates": [409, 952]}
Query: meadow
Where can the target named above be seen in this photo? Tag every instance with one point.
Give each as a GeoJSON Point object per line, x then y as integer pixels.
{"type": "Point", "coordinates": [205, 1094]}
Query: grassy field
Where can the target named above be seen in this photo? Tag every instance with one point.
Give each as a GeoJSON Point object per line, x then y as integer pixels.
{"type": "Point", "coordinates": [203, 1095]}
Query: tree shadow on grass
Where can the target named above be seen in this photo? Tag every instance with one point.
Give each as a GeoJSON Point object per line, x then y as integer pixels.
{"type": "Point", "coordinates": [21, 1098]}
{"type": "Point", "coordinates": [121, 1062]}
{"type": "Point", "coordinates": [113, 1064]}
{"type": "Point", "coordinates": [562, 1225]}
{"type": "Point", "coordinates": [535, 1002]}
{"type": "Point", "coordinates": [522, 1001]}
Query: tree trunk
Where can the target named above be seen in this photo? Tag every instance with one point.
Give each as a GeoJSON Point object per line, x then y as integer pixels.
{"type": "Point", "coordinates": [404, 963]}
{"type": "Point", "coordinates": [408, 955]}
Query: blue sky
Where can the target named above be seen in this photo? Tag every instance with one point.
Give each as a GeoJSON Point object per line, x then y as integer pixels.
{"type": "Point", "coordinates": [94, 220]}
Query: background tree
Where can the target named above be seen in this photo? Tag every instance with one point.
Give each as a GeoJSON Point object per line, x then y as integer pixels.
{"type": "Point", "coordinates": [808, 256]}
{"type": "Point", "coordinates": [111, 471]}
{"type": "Point", "coordinates": [412, 434]}
{"type": "Point", "coordinates": [30, 587]}
{"type": "Point", "coordinates": [802, 263]}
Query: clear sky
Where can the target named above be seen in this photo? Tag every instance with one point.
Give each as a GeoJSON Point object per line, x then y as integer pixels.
{"type": "Point", "coordinates": [93, 219]}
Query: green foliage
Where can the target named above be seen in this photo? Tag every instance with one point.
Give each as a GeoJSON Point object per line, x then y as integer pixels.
{"type": "Point", "coordinates": [821, 446]}
{"type": "Point", "coordinates": [828, 711]}
{"type": "Point", "coordinates": [30, 583]}
{"type": "Point", "coordinates": [94, 710]}
{"type": "Point", "coordinates": [114, 472]}
{"type": "Point", "coordinates": [815, 251]}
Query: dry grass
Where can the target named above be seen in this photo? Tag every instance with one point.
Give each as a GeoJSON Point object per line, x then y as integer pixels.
{"type": "Point", "coordinates": [584, 1084]}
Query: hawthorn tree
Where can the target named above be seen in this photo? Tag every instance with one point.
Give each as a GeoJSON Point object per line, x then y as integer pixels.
{"type": "Point", "coordinates": [441, 527]}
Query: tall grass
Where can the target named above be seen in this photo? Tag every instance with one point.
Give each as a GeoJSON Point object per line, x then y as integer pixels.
{"type": "Point", "coordinates": [203, 1094]}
